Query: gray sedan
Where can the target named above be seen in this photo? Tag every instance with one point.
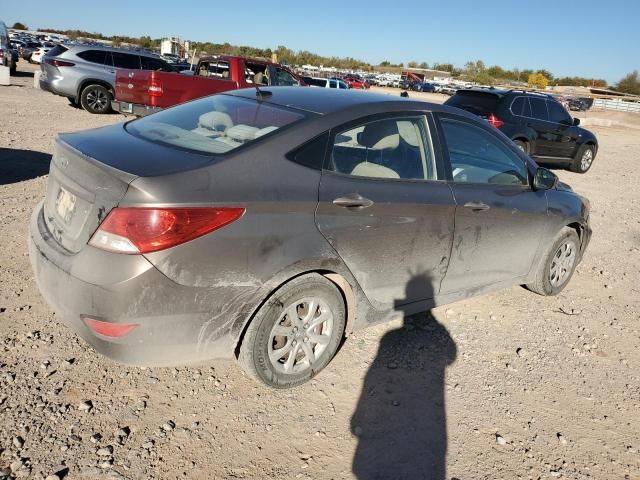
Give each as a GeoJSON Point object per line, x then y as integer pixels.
{"type": "Point", "coordinates": [268, 225]}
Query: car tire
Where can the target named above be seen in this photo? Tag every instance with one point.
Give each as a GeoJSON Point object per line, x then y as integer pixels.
{"type": "Point", "coordinates": [96, 99]}
{"type": "Point", "coordinates": [12, 70]}
{"type": "Point", "coordinates": [522, 145]}
{"type": "Point", "coordinates": [558, 264]}
{"type": "Point", "coordinates": [584, 159]}
{"type": "Point", "coordinates": [275, 348]}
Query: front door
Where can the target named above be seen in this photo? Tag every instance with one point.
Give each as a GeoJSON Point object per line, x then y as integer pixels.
{"type": "Point", "coordinates": [384, 211]}
{"type": "Point", "coordinates": [564, 144]}
{"type": "Point", "coordinates": [499, 219]}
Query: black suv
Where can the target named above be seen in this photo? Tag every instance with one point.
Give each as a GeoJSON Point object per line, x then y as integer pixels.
{"type": "Point", "coordinates": [537, 123]}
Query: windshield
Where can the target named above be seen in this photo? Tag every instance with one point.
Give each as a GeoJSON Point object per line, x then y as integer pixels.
{"type": "Point", "coordinates": [217, 124]}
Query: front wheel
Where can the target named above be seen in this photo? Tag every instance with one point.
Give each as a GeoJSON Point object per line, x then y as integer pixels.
{"type": "Point", "coordinates": [558, 264]}
{"type": "Point", "coordinates": [96, 99]}
{"type": "Point", "coordinates": [584, 159]}
{"type": "Point", "coordinates": [295, 334]}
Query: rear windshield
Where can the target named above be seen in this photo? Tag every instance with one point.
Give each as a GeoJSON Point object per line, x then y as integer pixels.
{"type": "Point", "coordinates": [217, 124]}
{"type": "Point", "coordinates": [479, 103]}
{"type": "Point", "coordinates": [57, 50]}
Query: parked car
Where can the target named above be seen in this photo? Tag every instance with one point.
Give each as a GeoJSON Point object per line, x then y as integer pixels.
{"type": "Point", "coordinates": [405, 84]}
{"type": "Point", "coordinates": [142, 93]}
{"type": "Point", "coordinates": [537, 123]}
{"type": "Point", "coordinates": [86, 74]}
{"type": "Point", "coordinates": [578, 105]}
{"type": "Point", "coordinates": [355, 82]}
{"type": "Point", "coordinates": [231, 226]}
{"type": "Point", "coordinates": [423, 87]}
{"type": "Point", "coordinates": [27, 50]}
{"type": "Point", "coordinates": [7, 57]}
{"type": "Point", "coordinates": [449, 89]}
{"type": "Point", "coordinates": [38, 55]}
{"type": "Point", "coordinates": [325, 83]}
{"type": "Point", "coordinates": [385, 82]}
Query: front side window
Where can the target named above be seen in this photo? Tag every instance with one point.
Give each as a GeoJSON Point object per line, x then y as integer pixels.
{"type": "Point", "coordinates": [214, 125]}
{"type": "Point", "coordinates": [477, 156]}
{"type": "Point", "coordinates": [126, 60]}
{"type": "Point", "coordinates": [285, 79]}
{"type": "Point", "coordinates": [392, 148]}
{"type": "Point", "coordinates": [557, 113]}
{"type": "Point", "coordinates": [539, 108]}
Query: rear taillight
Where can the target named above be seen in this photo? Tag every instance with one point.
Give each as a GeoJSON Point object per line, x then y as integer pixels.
{"type": "Point", "coordinates": [145, 230]}
{"type": "Point", "coordinates": [155, 88]}
{"type": "Point", "coordinates": [59, 63]}
{"type": "Point", "coordinates": [495, 121]}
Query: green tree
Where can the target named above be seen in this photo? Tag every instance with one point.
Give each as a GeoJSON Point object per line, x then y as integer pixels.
{"type": "Point", "coordinates": [629, 84]}
{"type": "Point", "coordinates": [20, 26]}
{"type": "Point", "coordinates": [424, 65]}
{"type": "Point", "coordinates": [412, 64]}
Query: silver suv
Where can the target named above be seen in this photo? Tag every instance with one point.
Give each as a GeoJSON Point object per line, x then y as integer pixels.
{"type": "Point", "coordinates": [86, 74]}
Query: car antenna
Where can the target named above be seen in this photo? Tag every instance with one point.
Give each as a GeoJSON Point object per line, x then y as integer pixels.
{"type": "Point", "coordinates": [261, 94]}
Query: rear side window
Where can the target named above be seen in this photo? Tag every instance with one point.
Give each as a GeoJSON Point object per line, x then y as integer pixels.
{"type": "Point", "coordinates": [312, 153]}
{"type": "Point", "coordinates": [218, 69]}
{"type": "Point", "coordinates": [214, 125]}
{"type": "Point", "coordinates": [126, 60]}
{"type": "Point", "coordinates": [150, 63]}
{"type": "Point", "coordinates": [93, 56]}
{"type": "Point", "coordinates": [539, 108]}
{"type": "Point", "coordinates": [479, 103]}
{"type": "Point", "coordinates": [57, 50]}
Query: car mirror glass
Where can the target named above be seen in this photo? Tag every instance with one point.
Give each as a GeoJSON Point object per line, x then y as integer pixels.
{"type": "Point", "coordinates": [544, 179]}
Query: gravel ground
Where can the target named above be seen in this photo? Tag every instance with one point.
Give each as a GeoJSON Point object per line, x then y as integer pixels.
{"type": "Point", "coordinates": [508, 385]}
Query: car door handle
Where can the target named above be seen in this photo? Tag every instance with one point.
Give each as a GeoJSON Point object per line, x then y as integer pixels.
{"type": "Point", "coordinates": [477, 206]}
{"type": "Point", "coordinates": [353, 200]}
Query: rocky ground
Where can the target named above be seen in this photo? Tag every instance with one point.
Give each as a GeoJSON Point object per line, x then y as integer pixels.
{"type": "Point", "coordinates": [509, 385]}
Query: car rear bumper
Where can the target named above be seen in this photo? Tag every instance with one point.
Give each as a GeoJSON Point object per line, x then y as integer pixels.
{"type": "Point", "coordinates": [133, 108]}
{"type": "Point", "coordinates": [176, 324]}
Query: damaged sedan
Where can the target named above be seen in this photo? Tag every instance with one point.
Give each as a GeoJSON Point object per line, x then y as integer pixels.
{"type": "Point", "coordinates": [268, 225]}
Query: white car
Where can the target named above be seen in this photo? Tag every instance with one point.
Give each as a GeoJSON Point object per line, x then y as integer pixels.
{"type": "Point", "coordinates": [327, 83]}
{"type": "Point", "coordinates": [38, 54]}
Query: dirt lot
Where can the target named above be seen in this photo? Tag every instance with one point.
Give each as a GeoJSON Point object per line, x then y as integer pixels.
{"type": "Point", "coordinates": [510, 385]}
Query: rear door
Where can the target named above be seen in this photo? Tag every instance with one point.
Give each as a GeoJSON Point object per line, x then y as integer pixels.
{"type": "Point", "coordinates": [544, 128]}
{"type": "Point", "coordinates": [384, 209]}
{"type": "Point", "coordinates": [499, 220]}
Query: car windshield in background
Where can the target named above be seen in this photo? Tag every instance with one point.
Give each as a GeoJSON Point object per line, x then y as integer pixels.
{"type": "Point", "coordinates": [479, 103]}
{"type": "Point", "coordinates": [216, 125]}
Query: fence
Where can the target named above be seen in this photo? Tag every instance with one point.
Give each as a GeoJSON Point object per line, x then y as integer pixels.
{"type": "Point", "coordinates": [616, 104]}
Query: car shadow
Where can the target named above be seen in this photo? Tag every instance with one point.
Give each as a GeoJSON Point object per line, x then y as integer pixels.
{"type": "Point", "coordinates": [22, 73]}
{"type": "Point", "coordinates": [400, 420]}
{"type": "Point", "coordinates": [19, 165]}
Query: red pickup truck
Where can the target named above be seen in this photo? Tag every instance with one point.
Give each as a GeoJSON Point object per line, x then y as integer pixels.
{"type": "Point", "coordinates": [143, 92]}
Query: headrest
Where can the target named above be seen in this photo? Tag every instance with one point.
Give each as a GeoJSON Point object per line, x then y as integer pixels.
{"type": "Point", "coordinates": [215, 121]}
{"type": "Point", "coordinates": [368, 169]}
{"type": "Point", "coordinates": [381, 135]}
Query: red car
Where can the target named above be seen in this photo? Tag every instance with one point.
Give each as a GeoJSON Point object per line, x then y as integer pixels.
{"type": "Point", "coordinates": [355, 82]}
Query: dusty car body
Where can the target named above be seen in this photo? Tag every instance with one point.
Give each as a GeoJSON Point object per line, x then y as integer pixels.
{"type": "Point", "coordinates": [316, 196]}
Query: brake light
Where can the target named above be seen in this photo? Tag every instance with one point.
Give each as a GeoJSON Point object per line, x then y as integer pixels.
{"type": "Point", "coordinates": [495, 121]}
{"type": "Point", "coordinates": [109, 329]}
{"type": "Point", "coordinates": [155, 88]}
{"type": "Point", "coordinates": [59, 63]}
{"type": "Point", "coordinates": [145, 230]}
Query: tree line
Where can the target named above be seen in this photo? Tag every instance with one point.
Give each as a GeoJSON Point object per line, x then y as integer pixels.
{"type": "Point", "coordinates": [474, 71]}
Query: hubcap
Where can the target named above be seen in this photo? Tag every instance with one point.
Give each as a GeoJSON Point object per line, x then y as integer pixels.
{"type": "Point", "coordinates": [97, 99]}
{"type": "Point", "coordinates": [587, 158]}
{"type": "Point", "coordinates": [301, 335]}
{"type": "Point", "coordinates": [562, 263]}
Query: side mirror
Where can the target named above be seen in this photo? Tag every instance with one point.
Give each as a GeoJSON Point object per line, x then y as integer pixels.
{"type": "Point", "coordinates": [576, 122]}
{"type": "Point", "coordinates": [544, 179]}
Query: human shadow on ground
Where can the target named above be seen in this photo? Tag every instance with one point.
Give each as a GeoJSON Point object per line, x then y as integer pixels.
{"type": "Point", "coordinates": [400, 420]}
{"type": "Point", "coordinates": [18, 165]}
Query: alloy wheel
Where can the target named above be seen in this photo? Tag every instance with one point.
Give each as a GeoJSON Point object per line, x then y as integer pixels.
{"type": "Point", "coordinates": [97, 100]}
{"type": "Point", "coordinates": [562, 263]}
{"type": "Point", "coordinates": [587, 158]}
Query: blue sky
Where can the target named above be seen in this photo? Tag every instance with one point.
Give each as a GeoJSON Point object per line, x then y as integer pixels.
{"type": "Point", "coordinates": [568, 37]}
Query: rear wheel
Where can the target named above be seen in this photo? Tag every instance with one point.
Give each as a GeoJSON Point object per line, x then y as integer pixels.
{"type": "Point", "coordinates": [584, 159]}
{"type": "Point", "coordinates": [522, 145]}
{"type": "Point", "coordinates": [558, 264]}
{"type": "Point", "coordinates": [295, 334]}
{"type": "Point", "coordinates": [96, 99]}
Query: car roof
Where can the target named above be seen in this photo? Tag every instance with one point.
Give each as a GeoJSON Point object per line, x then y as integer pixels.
{"type": "Point", "coordinates": [503, 92]}
{"type": "Point", "coordinates": [324, 101]}
{"type": "Point", "coordinates": [91, 46]}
